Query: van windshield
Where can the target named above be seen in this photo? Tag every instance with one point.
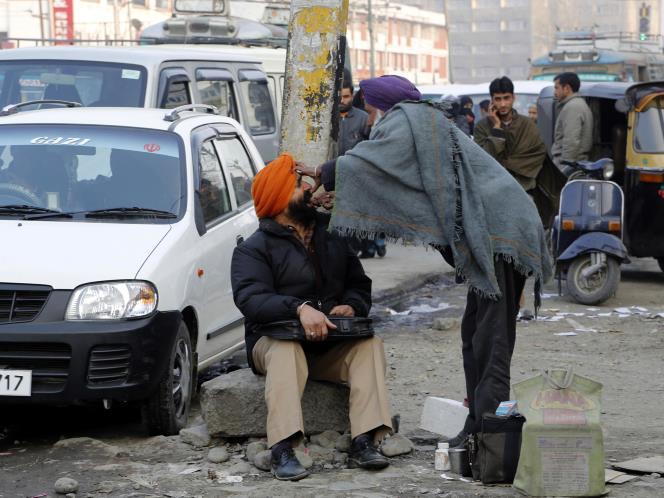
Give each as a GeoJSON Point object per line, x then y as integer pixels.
{"type": "Point", "coordinates": [79, 169]}
{"type": "Point", "coordinates": [94, 84]}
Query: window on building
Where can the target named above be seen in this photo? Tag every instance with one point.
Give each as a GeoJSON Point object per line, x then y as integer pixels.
{"type": "Point", "coordinates": [461, 50]}
{"type": "Point", "coordinates": [511, 48]}
{"type": "Point", "coordinates": [459, 27]}
{"type": "Point", "coordinates": [487, 72]}
{"type": "Point", "coordinates": [514, 3]}
{"type": "Point", "coordinates": [484, 49]}
{"type": "Point", "coordinates": [484, 26]}
{"type": "Point", "coordinates": [461, 74]}
{"type": "Point", "coordinates": [162, 4]}
{"type": "Point", "coordinates": [457, 4]}
{"type": "Point", "coordinates": [514, 25]}
{"type": "Point", "coordinates": [139, 2]}
{"type": "Point", "coordinates": [486, 4]}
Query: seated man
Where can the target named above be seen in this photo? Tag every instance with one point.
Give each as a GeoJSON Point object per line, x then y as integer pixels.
{"type": "Point", "coordinates": [292, 267]}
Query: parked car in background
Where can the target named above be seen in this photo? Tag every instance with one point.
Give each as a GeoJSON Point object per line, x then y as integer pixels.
{"type": "Point", "coordinates": [232, 81]}
{"type": "Point", "coordinates": [119, 226]}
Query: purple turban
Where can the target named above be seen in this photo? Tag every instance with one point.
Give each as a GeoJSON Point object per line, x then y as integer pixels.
{"type": "Point", "coordinates": [386, 91]}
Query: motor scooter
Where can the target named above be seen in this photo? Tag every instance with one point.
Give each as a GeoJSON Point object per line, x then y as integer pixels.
{"type": "Point", "coordinates": [587, 233]}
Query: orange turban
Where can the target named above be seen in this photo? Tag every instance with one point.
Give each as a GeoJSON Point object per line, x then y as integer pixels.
{"type": "Point", "coordinates": [273, 186]}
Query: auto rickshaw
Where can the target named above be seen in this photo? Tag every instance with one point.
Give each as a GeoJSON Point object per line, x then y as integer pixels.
{"type": "Point", "coordinates": [629, 129]}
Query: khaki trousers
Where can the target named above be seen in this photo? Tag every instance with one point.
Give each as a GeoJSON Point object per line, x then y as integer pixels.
{"type": "Point", "coordinates": [360, 364]}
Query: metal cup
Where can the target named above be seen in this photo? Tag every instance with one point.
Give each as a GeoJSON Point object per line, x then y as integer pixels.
{"type": "Point", "coordinates": [459, 463]}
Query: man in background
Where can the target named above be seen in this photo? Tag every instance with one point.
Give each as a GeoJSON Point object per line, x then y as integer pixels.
{"type": "Point", "coordinates": [510, 138]}
{"type": "Point", "coordinates": [573, 134]}
{"type": "Point", "coordinates": [353, 121]}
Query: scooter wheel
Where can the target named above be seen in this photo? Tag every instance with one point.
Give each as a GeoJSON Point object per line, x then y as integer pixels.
{"type": "Point", "coordinates": [595, 289]}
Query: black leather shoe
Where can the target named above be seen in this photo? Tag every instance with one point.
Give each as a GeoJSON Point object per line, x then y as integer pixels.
{"type": "Point", "coordinates": [285, 465]}
{"type": "Point", "coordinates": [363, 454]}
{"type": "Point", "coordinates": [458, 440]}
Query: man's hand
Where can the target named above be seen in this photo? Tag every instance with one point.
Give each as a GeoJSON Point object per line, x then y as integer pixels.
{"type": "Point", "coordinates": [314, 323]}
{"type": "Point", "coordinates": [324, 199]}
{"type": "Point", "coordinates": [493, 116]}
{"type": "Point", "coordinates": [312, 172]}
{"type": "Point", "coordinates": [343, 310]}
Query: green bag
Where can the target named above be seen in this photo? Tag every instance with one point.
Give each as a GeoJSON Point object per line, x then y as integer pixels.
{"type": "Point", "coordinates": [562, 449]}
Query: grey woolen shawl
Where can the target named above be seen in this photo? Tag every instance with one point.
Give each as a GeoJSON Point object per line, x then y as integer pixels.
{"type": "Point", "coordinates": [419, 179]}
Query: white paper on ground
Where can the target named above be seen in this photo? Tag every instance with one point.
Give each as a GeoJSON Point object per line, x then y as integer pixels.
{"type": "Point", "coordinates": [393, 312]}
{"type": "Point", "coordinates": [622, 311]}
{"type": "Point", "coordinates": [566, 333]}
{"type": "Point", "coordinates": [427, 308]}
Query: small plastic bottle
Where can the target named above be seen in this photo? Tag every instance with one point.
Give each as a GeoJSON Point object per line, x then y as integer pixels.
{"type": "Point", "coordinates": [442, 457]}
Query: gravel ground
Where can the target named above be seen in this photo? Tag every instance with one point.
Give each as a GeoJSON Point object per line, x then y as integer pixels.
{"type": "Point", "coordinates": [624, 354]}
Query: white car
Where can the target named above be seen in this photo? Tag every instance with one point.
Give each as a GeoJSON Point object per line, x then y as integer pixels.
{"type": "Point", "coordinates": [118, 226]}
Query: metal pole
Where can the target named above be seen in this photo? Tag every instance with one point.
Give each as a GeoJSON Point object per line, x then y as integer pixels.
{"type": "Point", "coordinates": [41, 22]}
{"type": "Point", "coordinates": [372, 48]}
{"type": "Point", "coordinates": [314, 69]}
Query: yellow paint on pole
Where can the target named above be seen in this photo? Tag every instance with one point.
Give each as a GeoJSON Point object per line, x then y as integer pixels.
{"type": "Point", "coordinates": [309, 120]}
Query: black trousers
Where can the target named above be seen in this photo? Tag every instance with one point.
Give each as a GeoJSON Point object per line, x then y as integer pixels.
{"type": "Point", "coordinates": [488, 334]}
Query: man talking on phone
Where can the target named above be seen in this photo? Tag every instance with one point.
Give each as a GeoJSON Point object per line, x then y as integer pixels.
{"type": "Point", "coordinates": [512, 139]}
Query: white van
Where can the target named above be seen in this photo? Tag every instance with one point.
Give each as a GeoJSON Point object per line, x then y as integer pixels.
{"type": "Point", "coordinates": [163, 76]}
{"type": "Point", "coordinates": [118, 227]}
{"type": "Point", "coordinates": [273, 61]}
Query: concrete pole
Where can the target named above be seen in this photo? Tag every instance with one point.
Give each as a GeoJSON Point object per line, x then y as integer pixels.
{"type": "Point", "coordinates": [314, 68]}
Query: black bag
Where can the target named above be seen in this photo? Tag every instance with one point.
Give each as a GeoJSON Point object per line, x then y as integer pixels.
{"type": "Point", "coordinates": [347, 328]}
{"type": "Point", "coordinates": [494, 452]}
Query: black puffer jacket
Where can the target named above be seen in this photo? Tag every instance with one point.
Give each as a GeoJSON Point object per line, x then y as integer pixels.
{"type": "Point", "coordinates": [272, 274]}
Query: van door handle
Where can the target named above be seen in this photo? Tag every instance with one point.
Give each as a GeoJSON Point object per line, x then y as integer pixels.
{"type": "Point", "coordinates": [238, 240]}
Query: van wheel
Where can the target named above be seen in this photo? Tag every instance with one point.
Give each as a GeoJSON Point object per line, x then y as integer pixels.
{"type": "Point", "coordinates": [166, 411]}
{"type": "Point", "coordinates": [598, 287]}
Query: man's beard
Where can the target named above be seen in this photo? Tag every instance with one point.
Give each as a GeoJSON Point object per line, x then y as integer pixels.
{"type": "Point", "coordinates": [345, 107]}
{"type": "Point", "coordinates": [301, 211]}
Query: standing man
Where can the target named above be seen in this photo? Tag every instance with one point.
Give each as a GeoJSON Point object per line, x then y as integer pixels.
{"type": "Point", "coordinates": [420, 179]}
{"type": "Point", "coordinates": [484, 108]}
{"type": "Point", "coordinates": [573, 135]}
{"type": "Point", "coordinates": [510, 138]}
{"type": "Point", "coordinates": [353, 126]}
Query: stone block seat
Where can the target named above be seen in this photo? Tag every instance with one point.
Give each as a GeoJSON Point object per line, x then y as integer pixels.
{"type": "Point", "coordinates": [233, 405]}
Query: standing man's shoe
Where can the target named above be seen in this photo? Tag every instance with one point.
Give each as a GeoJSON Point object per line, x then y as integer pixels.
{"type": "Point", "coordinates": [285, 465]}
{"type": "Point", "coordinates": [458, 440]}
{"type": "Point", "coordinates": [363, 454]}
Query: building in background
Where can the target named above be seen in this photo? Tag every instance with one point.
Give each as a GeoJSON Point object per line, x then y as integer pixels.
{"type": "Point", "coordinates": [489, 38]}
{"type": "Point", "coordinates": [78, 19]}
{"type": "Point", "coordinates": [408, 41]}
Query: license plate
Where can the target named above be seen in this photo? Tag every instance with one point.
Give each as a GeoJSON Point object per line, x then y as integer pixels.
{"type": "Point", "coordinates": [15, 382]}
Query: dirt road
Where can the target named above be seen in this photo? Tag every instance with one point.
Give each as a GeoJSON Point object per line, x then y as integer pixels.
{"type": "Point", "coordinates": [624, 353]}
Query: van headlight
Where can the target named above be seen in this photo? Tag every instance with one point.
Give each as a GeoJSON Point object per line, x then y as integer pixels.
{"type": "Point", "coordinates": [112, 301]}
